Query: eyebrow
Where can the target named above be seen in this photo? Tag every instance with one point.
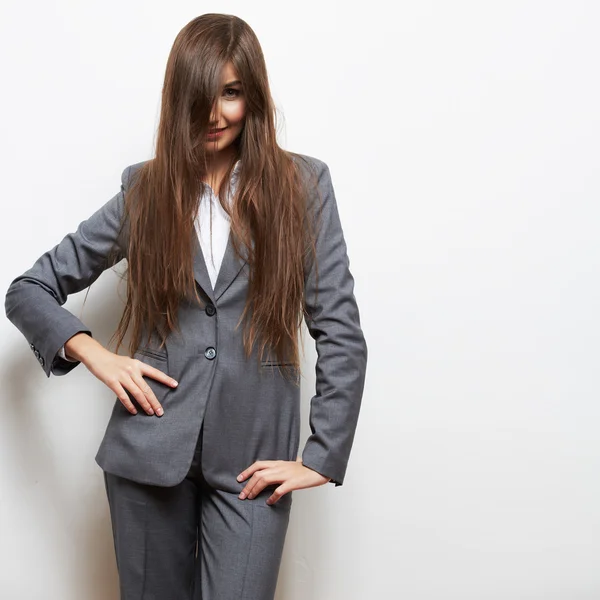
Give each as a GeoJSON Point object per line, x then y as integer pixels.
{"type": "Point", "coordinates": [230, 83]}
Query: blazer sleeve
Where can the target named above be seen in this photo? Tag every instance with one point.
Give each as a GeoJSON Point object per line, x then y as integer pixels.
{"type": "Point", "coordinates": [333, 321]}
{"type": "Point", "coordinates": [34, 300]}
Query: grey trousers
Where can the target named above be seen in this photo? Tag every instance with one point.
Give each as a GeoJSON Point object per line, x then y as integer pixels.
{"type": "Point", "coordinates": [195, 542]}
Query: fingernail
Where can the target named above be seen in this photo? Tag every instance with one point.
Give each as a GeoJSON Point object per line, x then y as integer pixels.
{"type": "Point", "coordinates": [159, 412]}
{"type": "Point", "coordinates": [239, 477]}
{"type": "Point", "coordinates": [175, 383]}
{"type": "Point", "coordinates": [150, 412]}
{"type": "Point", "coordinates": [242, 495]}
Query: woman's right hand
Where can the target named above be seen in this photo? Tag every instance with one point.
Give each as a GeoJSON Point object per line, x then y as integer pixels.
{"type": "Point", "coordinates": [119, 373]}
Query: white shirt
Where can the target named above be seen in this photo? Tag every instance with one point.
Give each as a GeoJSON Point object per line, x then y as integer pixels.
{"type": "Point", "coordinates": [213, 256]}
{"type": "Point", "coordinates": [213, 253]}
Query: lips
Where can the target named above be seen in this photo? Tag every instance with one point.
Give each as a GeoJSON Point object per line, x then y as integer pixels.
{"type": "Point", "coordinates": [217, 130]}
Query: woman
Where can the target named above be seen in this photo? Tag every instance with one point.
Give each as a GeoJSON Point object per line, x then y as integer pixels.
{"type": "Point", "coordinates": [230, 243]}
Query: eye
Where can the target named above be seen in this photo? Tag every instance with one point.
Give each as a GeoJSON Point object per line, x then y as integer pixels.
{"type": "Point", "coordinates": [236, 92]}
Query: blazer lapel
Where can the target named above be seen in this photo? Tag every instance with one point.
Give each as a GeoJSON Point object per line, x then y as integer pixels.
{"type": "Point", "coordinates": [200, 271]}
{"type": "Point", "coordinates": [229, 270]}
{"type": "Point", "coordinates": [230, 267]}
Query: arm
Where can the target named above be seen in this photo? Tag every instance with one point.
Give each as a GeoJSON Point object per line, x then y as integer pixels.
{"type": "Point", "coordinates": [34, 300]}
{"type": "Point", "coordinates": [63, 355]}
{"type": "Point", "coordinates": [333, 321]}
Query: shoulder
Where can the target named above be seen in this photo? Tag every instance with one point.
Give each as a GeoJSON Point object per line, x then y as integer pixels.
{"type": "Point", "coordinates": [307, 159]}
{"type": "Point", "coordinates": [129, 172]}
{"type": "Point", "coordinates": [310, 164]}
{"type": "Point", "coordinates": [317, 178]}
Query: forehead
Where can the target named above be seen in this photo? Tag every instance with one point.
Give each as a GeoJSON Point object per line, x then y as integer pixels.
{"type": "Point", "coordinates": [228, 74]}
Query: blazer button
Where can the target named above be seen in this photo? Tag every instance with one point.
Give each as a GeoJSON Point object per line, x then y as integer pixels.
{"type": "Point", "coordinates": [37, 354]}
{"type": "Point", "coordinates": [210, 353]}
{"type": "Point", "coordinates": [41, 359]}
{"type": "Point", "coordinates": [210, 310]}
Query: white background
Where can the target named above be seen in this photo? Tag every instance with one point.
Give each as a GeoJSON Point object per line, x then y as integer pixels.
{"type": "Point", "coordinates": [463, 142]}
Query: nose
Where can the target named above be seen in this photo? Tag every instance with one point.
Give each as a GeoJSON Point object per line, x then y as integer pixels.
{"type": "Point", "coordinates": [214, 118]}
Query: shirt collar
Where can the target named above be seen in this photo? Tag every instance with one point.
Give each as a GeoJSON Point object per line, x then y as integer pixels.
{"type": "Point", "coordinates": [206, 195]}
{"type": "Point", "coordinates": [235, 173]}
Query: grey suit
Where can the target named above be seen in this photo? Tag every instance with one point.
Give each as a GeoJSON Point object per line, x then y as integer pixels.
{"type": "Point", "coordinates": [246, 412]}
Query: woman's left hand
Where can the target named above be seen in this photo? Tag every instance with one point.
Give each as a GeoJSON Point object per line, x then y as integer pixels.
{"type": "Point", "coordinates": [292, 475]}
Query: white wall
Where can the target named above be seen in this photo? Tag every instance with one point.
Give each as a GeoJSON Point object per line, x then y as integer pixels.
{"type": "Point", "coordinates": [463, 142]}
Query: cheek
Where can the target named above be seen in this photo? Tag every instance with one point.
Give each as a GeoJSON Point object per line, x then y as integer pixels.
{"type": "Point", "coordinates": [235, 112]}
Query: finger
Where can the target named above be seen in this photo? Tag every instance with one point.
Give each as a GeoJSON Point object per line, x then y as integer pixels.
{"type": "Point", "coordinates": [257, 484]}
{"type": "Point", "coordinates": [147, 390]}
{"type": "Point", "coordinates": [278, 493]}
{"type": "Point", "coordinates": [121, 394]}
{"type": "Point", "coordinates": [157, 374]}
{"type": "Point", "coordinates": [247, 472]}
{"type": "Point", "coordinates": [249, 488]}
{"type": "Point", "coordinates": [137, 393]}
{"type": "Point", "coordinates": [255, 466]}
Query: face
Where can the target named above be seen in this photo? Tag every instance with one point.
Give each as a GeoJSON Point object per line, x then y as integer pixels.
{"type": "Point", "coordinates": [228, 113]}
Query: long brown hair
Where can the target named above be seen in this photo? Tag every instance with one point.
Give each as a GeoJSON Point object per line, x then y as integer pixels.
{"type": "Point", "coordinates": [270, 209]}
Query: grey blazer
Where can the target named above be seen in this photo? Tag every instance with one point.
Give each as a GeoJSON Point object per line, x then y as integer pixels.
{"type": "Point", "coordinates": [250, 412]}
